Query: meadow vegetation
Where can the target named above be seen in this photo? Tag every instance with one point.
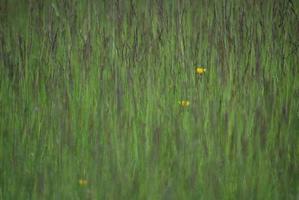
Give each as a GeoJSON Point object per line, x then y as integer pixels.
{"type": "Point", "coordinates": [91, 99]}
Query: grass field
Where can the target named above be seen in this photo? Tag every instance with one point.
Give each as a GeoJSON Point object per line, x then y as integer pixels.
{"type": "Point", "coordinates": [90, 92]}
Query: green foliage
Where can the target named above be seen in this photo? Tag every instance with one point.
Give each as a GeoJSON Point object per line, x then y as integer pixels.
{"type": "Point", "coordinates": [89, 90]}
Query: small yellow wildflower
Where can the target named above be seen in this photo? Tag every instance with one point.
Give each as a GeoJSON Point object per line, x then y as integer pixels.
{"type": "Point", "coordinates": [200, 70]}
{"type": "Point", "coordinates": [83, 182]}
{"type": "Point", "coordinates": [184, 103]}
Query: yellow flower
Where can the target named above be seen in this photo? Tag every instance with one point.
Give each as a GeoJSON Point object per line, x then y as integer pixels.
{"type": "Point", "coordinates": [200, 70]}
{"type": "Point", "coordinates": [82, 182]}
{"type": "Point", "coordinates": [184, 103]}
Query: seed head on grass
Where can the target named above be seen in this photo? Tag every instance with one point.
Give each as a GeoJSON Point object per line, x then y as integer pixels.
{"type": "Point", "coordinates": [200, 70]}
{"type": "Point", "coordinates": [83, 182]}
{"type": "Point", "coordinates": [184, 103]}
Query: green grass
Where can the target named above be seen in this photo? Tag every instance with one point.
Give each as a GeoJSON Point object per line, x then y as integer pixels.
{"type": "Point", "coordinates": [90, 89]}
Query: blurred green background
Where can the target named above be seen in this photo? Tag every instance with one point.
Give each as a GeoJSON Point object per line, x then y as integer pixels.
{"type": "Point", "coordinates": [89, 95]}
